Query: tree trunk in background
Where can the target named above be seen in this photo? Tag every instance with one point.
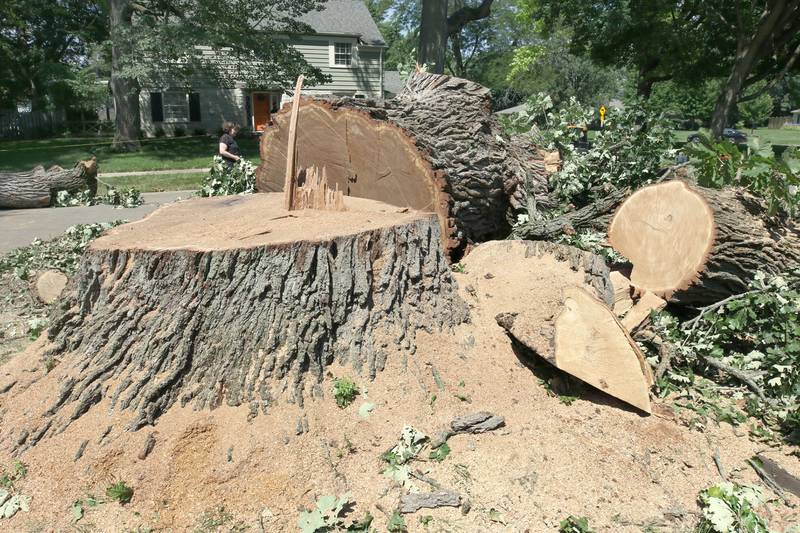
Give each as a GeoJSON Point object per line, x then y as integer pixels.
{"type": "Point", "coordinates": [750, 49]}
{"type": "Point", "coordinates": [433, 35]}
{"type": "Point", "coordinates": [124, 89]}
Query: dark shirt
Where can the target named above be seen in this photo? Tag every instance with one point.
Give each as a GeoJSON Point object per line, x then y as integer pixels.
{"type": "Point", "coordinates": [230, 145]}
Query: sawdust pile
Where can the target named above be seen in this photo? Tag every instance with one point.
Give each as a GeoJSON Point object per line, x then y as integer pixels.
{"type": "Point", "coordinates": [595, 458]}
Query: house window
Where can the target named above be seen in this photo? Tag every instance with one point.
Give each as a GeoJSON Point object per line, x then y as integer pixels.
{"type": "Point", "coordinates": [176, 108]}
{"type": "Point", "coordinates": [194, 107]}
{"type": "Point", "coordinates": [156, 107]}
{"type": "Point", "coordinates": [342, 54]}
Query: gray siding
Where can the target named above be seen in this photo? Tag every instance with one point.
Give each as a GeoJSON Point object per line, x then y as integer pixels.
{"type": "Point", "coordinates": [216, 107]}
{"type": "Point", "coordinates": [363, 76]}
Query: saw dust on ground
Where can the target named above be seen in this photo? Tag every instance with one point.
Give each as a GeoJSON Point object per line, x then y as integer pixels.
{"type": "Point", "coordinates": [218, 471]}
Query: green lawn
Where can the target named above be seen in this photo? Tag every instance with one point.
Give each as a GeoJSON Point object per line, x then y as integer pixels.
{"type": "Point", "coordinates": [156, 154]}
{"type": "Point", "coordinates": [154, 182]}
{"type": "Point", "coordinates": [789, 137]}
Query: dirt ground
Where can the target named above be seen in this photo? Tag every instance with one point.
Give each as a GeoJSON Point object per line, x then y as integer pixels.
{"type": "Point", "coordinates": [218, 471]}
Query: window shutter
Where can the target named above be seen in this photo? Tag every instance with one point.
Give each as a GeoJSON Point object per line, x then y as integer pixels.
{"type": "Point", "coordinates": [194, 107]}
{"type": "Point", "coordinates": [156, 107]}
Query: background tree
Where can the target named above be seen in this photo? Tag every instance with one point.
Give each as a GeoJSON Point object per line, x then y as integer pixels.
{"type": "Point", "coordinates": [755, 112]}
{"type": "Point", "coordinates": [744, 41]}
{"type": "Point", "coordinates": [43, 45]}
{"type": "Point", "coordinates": [443, 20]}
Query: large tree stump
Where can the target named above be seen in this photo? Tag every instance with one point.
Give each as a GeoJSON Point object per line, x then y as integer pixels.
{"type": "Point", "coordinates": [697, 245]}
{"type": "Point", "coordinates": [435, 147]}
{"type": "Point", "coordinates": [36, 188]}
{"type": "Point", "coordinates": [554, 299]}
{"type": "Point", "coordinates": [236, 300]}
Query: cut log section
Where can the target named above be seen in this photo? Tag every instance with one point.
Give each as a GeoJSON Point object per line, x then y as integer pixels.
{"type": "Point", "coordinates": [697, 245]}
{"type": "Point", "coordinates": [36, 188]}
{"type": "Point", "coordinates": [236, 300]}
{"type": "Point", "coordinates": [554, 299]}
{"type": "Point", "coordinates": [436, 147]}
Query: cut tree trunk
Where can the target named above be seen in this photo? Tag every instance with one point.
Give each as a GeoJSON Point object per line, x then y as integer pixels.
{"type": "Point", "coordinates": [36, 188]}
{"type": "Point", "coordinates": [696, 245]}
{"type": "Point", "coordinates": [554, 300]}
{"type": "Point", "coordinates": [435, 147]}
{"type": "Point", "coordinates": [236, 300]}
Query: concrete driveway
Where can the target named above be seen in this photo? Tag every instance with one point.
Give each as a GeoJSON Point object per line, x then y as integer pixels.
{"type": "Point", "coordinates": [18, 227]}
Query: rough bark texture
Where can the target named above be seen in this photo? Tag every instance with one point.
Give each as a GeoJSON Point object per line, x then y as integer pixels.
{"type": "Point", "coordinates": [436, 147]}
{"type": "Point", "coordinates": [149, 328]}
{"type": "Point", "coordinates": [36, 188]}
{"type": "Point", "coordinates": [744, 241]}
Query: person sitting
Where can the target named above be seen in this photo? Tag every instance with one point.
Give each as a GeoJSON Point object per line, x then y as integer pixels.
{"type": "Point", "coordinates": [228, 148]}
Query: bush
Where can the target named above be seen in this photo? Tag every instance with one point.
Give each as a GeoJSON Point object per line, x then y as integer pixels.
{"type": "Point", "coordinates": [159, 133]}
{"type": "Point", "coordinates": [179, 131]}
{"type": "Point", "coordinates": [221, 180]}
{"type": "Point", "coordinates": [198, 132]}
{"type": "Point", "coordinates": [345, 391]}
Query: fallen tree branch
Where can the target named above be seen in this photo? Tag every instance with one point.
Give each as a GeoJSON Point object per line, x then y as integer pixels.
{"type": "Point", "coordinates": [595, 214]}
{"type": "Point", "coordinates": [738, 374]}
{"type": "Point", "coordinates": [767, 479]}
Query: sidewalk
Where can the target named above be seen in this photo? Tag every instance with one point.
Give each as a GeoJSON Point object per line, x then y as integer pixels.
{"type": "Point", "coordinates": [18, 227]}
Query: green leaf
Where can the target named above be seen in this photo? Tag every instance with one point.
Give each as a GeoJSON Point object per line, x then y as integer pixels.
{"type": "Point", "coordinates": [440, 453]}
{"type": "Point", "coordinates": [77, 510]}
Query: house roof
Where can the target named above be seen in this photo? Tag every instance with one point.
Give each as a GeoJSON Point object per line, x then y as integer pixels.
{"type": "Point", "coordinates": [392, 82]}
{"type": "Point", "coordinates": [345, 17]}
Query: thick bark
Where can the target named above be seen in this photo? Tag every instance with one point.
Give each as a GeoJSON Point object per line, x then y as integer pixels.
{"type": "Point", "coordinates": [125, 89]}
{"type": "Point", "coordinates": [237, 310]}
{"type": "Point", "coordinates": [435, 147]}
{"type": "Point", "coordinates": [699, 245]}
{"type": "Point", "coordinates": [433, 35]}
{"type": "Point", "coordinates": [37, 187]}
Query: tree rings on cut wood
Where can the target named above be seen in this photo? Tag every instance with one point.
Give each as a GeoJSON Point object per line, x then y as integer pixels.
{"type": "Point", "coordinates": [554, 299]}
{"type": "Point", "coordinates": [435, 147]}
{"type": "Point", "coordinates": [236, 300]}
{"type": "Point", "coordinates": [696, 245]}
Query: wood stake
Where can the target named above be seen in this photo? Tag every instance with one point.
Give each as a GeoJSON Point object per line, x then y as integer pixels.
{"type": "Point", "coordinates": [288, 186]}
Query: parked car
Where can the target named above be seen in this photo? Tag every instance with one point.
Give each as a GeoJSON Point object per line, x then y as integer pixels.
{"type": "Point", "coordinates": [729, 134]}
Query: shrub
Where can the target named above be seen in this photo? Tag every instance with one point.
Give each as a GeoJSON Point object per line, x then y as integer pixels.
{"type": "Point", "coordinates": [345, 391]}
{"type": "Point", "coordinates": [179, 131]}
{"type": "Point", "coordinates": [159, 133]}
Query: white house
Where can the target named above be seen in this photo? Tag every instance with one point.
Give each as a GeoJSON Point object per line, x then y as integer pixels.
{"type": "Point", "coordinates": [347, 46]}
{"type": "Point", "coordinates": [796, 116]}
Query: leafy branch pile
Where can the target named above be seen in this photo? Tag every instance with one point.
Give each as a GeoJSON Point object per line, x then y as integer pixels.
{"type": "Point", "coordinates": [750, 345]}
{"type": "Point", "coordinates": [61, 253]}
{"type": "Point", "coordinates": [630, 150]}
{"type": "Point", "coordinates": [126, 198]}
{"type": "Point", "coordinates": [221, 180]}
{"type": "Point", "coordinates": [776, 179]}
{"type": "Point", "coordinates": [730, 508]}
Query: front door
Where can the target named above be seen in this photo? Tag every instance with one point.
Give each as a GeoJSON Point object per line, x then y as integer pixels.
{"type": "Point", "coordinates": [262, 103]}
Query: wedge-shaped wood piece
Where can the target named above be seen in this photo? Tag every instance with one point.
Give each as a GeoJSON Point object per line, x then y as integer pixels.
{"type": "Point", "coordinates": [589, 343]}
{"type": "Point", "coordinates": [623, 292]}
{"type": "Point", "coordinates": [555, 299]}
{"type": "Point", "coordinates": [647, 303]}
